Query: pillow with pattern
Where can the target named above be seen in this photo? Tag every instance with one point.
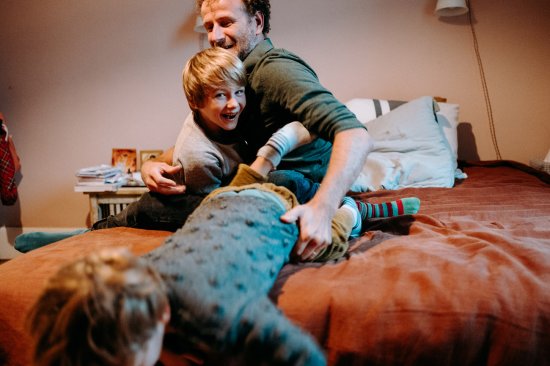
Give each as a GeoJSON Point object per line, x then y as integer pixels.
{"type": "Point", "coordinates": [410, 147]}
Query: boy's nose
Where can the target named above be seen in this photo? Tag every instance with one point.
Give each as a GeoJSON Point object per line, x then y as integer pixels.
{"type": "Point", "coordinates": [232, 103]}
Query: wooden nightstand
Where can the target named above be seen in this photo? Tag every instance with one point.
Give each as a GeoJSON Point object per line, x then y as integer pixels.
{"type": "Point", "coordinates": [103, 204]}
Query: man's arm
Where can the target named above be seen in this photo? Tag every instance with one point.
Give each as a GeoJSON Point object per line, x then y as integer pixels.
{"type": "Point", "coordinates": [156, 172]}
{"type": "Point", "coordinates": [350, 149]}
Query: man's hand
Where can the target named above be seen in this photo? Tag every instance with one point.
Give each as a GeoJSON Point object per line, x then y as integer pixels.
{"type": "Point", "coordinates": [155, 175]}
{"type": "Point", "coordinates": [349, 151]}
{"type": "Point", "coordinates": [314, 222]}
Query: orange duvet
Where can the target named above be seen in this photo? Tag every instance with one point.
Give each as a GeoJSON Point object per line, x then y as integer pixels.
{"type": "Point", "coordinates": [464, 282]}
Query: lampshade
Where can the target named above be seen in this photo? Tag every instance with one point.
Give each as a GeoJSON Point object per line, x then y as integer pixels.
{"type": "Point", "coordinates": [451, 8]}
{"type": "Point", "coordinates": [199, 28]}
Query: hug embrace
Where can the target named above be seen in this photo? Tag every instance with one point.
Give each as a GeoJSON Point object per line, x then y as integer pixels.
{"type": "Point", "coordinates": [257, 178]}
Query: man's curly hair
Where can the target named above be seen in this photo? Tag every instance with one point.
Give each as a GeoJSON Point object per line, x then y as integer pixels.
{"type": "Point", "coordinates": [251, 6]}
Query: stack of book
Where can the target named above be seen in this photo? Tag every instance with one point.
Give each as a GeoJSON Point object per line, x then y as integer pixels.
{"type": "Point", "coordinates": [100, 178]}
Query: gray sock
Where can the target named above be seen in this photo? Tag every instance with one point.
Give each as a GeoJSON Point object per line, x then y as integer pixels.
{"type": "Point", "coordinates": [283, 141]}
{"type": "Point", "coordinates": [28, 241]}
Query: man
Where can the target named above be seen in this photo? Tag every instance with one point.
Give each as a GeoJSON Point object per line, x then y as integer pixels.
{"type": "Point", "coordinates": [282, 88]}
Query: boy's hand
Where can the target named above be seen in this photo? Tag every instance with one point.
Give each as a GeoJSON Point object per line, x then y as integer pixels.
{"type": "Point", "coordinates": [155, 175]}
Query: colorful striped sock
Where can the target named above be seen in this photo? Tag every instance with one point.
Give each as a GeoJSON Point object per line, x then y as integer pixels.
{"type": "Point", "coordinates": [403, 206]}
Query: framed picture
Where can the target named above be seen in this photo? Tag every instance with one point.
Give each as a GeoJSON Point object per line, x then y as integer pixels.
{"type": "Point", "coordinates": [145, 155]}
{"type": "Point", "coordinates": [126, 159]}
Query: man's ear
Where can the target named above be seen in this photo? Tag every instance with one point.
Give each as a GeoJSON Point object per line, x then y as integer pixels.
{"type": "Point", "coordinates": [259, 19]}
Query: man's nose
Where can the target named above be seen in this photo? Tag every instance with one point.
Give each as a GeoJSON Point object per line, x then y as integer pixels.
{"type": "Point", "coordinates": [216, 36]}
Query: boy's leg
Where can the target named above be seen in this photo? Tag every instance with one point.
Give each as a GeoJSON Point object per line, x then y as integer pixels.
{"type": "Point", "coordinates": [304, 188]}
{"type": "Point", "coordinates": [154, 211]}
{"type": "Point", "coordinates": [247, 175]}
{"type": "Point", "coordinates": [28, 241]}
{"type": "Point", "coordinates": [363, 211]}
{"type": "Point", "coordinates": [350, 218]}
{"type": "Point", "coordinates": [342, 225]}
{"type": "Point", "coordinates": [402, 206]}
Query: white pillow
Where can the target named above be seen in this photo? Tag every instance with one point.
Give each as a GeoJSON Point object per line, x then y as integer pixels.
{"type": "Point", "coordinates": [447, 117]}
{"type": "Point", "coordinates": [410, 150]}
{"type": "Point", "coordinates": [368, 109]}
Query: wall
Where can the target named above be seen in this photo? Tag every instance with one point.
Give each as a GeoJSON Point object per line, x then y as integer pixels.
{"type": "Point", "coordinates": [79, 78]}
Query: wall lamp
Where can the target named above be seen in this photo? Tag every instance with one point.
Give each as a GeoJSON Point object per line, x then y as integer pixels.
{"type": "Point", "coordinates": [451, 8]}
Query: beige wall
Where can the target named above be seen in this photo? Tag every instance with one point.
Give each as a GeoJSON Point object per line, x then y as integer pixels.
{"type": "Point", "coordinates": [78, 78]}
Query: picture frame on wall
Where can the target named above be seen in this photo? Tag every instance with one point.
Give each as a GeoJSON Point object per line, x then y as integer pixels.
{"type": "Point", "coordinates": [145, 155]}
{"type": "Point", "coordinates": [125, 159]}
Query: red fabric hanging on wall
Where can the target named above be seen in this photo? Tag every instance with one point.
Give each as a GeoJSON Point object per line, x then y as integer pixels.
{"type": "Point", "coordinates": [9, 165]}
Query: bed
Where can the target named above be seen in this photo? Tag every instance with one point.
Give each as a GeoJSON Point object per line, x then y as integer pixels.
{"type": "Point", "coordinates": [466, 281]}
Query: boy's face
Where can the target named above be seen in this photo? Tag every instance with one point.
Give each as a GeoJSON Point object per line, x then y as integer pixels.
{"type": "Point", "coordinates": [222, 107]}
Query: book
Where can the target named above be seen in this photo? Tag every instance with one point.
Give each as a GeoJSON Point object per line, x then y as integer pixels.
{"type": "Point", "coordinates": [106, 187]}
{"type": "Point", "coordinates": [99, 178]}
{"type": "Point", "coordinates": [98, 172]}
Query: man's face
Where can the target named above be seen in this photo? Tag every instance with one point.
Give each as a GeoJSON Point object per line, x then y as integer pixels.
{"type": "Point", "coordinates": [229, 26]}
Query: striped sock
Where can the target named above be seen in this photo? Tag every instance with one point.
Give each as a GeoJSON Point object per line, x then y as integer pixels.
{"type": "Point", "coordinates": [403, 206]}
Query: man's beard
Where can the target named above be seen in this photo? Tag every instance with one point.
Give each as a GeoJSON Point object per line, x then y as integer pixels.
{"type": "Point", "coordinates": [241, 52]}
{"type": "Point", "coordinates": [244, 45]}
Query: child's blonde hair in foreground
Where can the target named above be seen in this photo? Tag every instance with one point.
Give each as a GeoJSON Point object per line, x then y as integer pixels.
{"type": "Point", "coordinates": [99, 310]}
{"type": "Point", "coordinates": [209, 69]}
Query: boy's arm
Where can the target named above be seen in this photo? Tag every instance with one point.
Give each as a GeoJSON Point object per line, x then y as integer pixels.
{"type": "Point", "coordinates": [286, 139]}
{"type": "Point", "coordinates": [156, 174]}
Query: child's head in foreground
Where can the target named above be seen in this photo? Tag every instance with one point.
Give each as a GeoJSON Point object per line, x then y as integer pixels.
{"type": "Point", "coordinates": [108, 308]}
{"type": "Point", "coordinates": [214, 83]}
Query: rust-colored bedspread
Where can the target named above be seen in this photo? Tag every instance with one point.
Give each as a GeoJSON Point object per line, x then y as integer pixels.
{"type": "Point", "coordinates": [465, 281]}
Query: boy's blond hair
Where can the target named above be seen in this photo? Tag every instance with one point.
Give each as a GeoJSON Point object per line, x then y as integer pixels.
{"type": "Point", "coordinates": [209, 69]}
{"type": "Point", "coordinates": [99, 310]}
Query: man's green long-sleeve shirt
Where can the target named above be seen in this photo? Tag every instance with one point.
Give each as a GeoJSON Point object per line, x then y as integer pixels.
{"type": "Point", "coordinates": [283, 88]}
